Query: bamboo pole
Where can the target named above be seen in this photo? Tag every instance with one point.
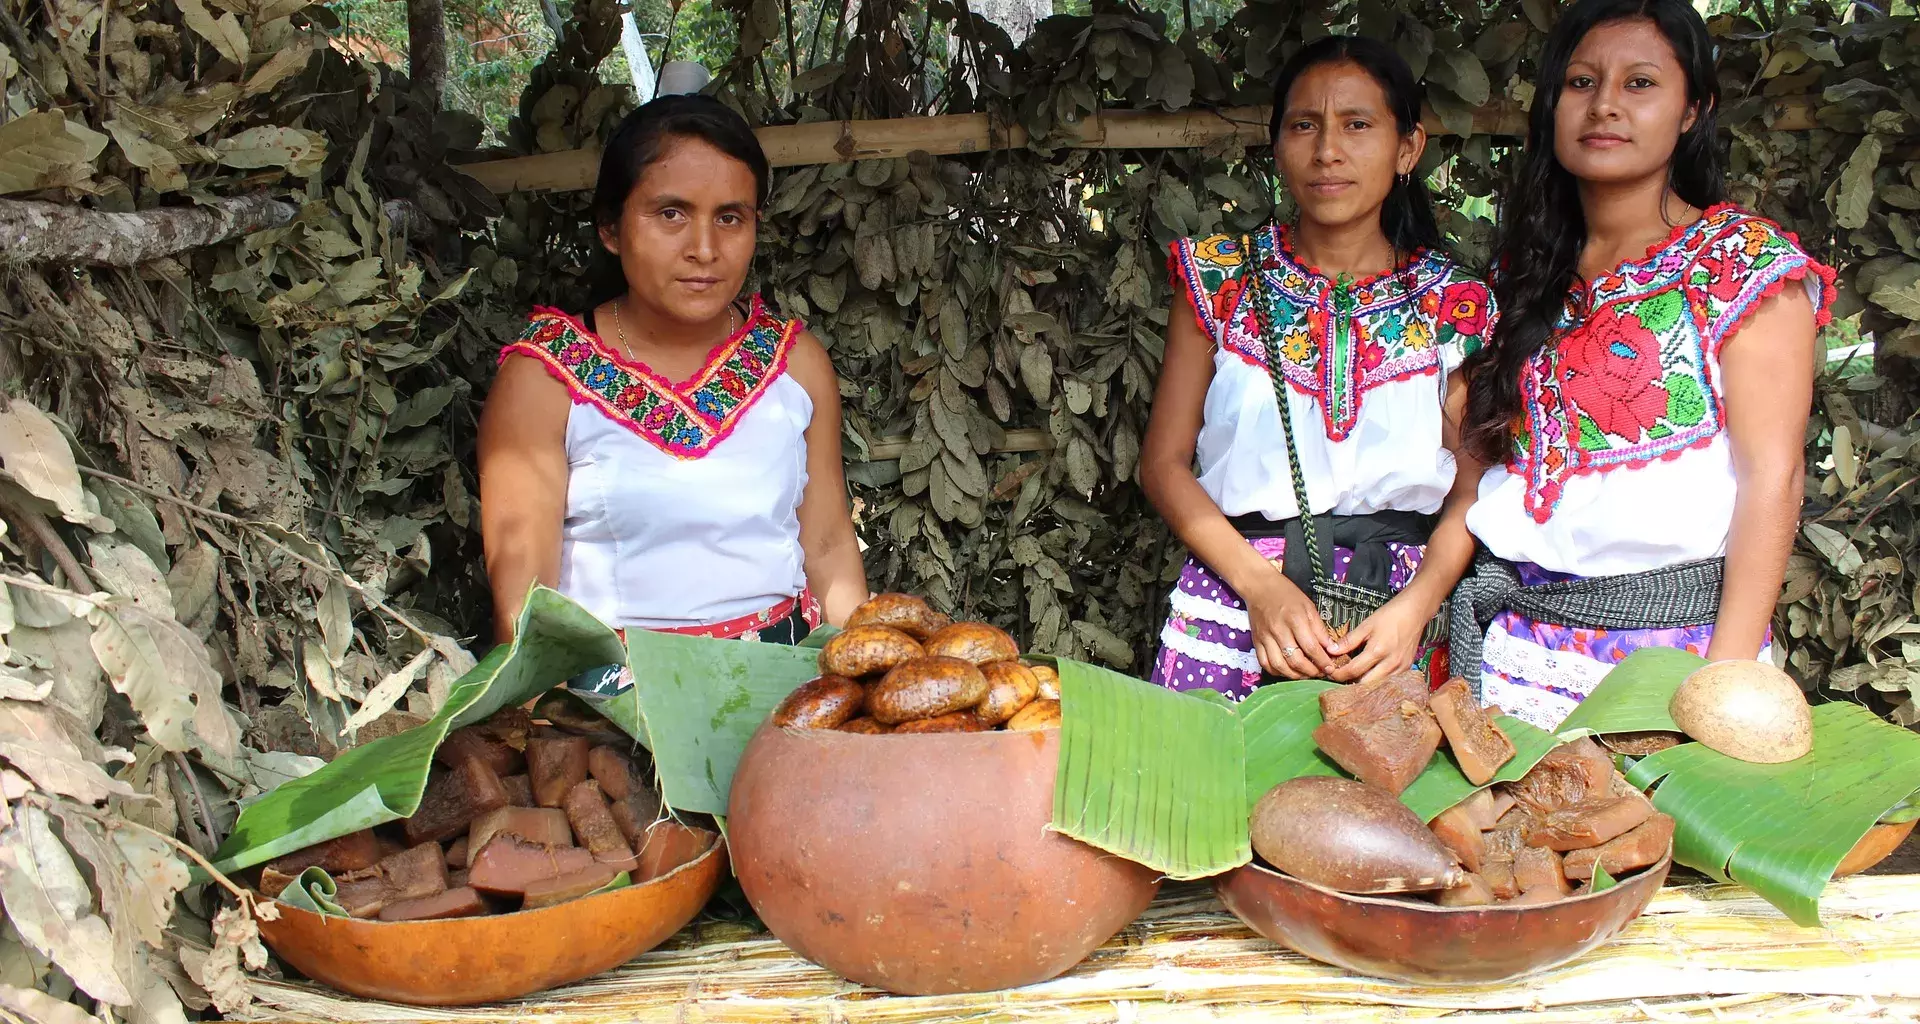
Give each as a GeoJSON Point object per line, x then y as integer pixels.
{"type": "Point", "coordinates": [828, 142]}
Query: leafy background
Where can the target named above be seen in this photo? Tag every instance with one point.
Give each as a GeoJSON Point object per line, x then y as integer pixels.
{"type": "Point", "coordinates": [236, 483]}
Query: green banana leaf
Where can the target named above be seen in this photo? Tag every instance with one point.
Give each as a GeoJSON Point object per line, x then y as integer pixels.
{"type": "Point", "coordinates": [1601, 880]}
{"type": "Point", "coordinates": [382, 781]}
{"type": "Point", "coordinates": [1634, 695]}
{"type": "Point", "coordinates": [314, 891]}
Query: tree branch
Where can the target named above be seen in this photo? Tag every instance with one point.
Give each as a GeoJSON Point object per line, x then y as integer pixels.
{"type": "Point", "coordinates": [36, 232]}
{"type": "Point", "coordinates": [427, 50]}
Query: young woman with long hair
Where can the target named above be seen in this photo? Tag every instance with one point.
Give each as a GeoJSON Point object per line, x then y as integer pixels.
{"type": "Point", "coordinates": [1644, 398]}
{"type": "Point", "coordinates": [1351, 322]}
{"type": "Point", "coordinates": [671, 458]}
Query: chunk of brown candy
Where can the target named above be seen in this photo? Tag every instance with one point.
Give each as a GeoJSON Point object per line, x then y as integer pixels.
{"type": "Point", "coordinates": [273, 883]}
{"type": "Point", "coordinates": [507, 864]}
{"type": "Point", "coordinates": [1535, 897]}
{"type": "Point", "coordinates": [1389, 752]}
{"type": "Point", "coordinates": [542, 826]}
{"type": "Point", "coordinates": [474, 741]}
{"type": "Point", "coordinates": [557, 762]}
{"type": "Point", "coordinates": [510, 725]}
{"type": "Point", "coordinates": [456, 877]}
{"type": "Point", "coordinates": [355, 851]}
{"type": "Point", "coordinates": [1641, 848]}
{"type": "Point", "coordinates": [1536, 867]}
{"type": "Point", "coordinates": [1480, 809]}
{"type": "Point", "coordinates": [1500, 880]}
{"type": "Point", "coordinates": [457, 852]}
{"type": "Point", "coordinates": [669, 845]}
{"type": "Point", "coordinates": [1376, 699]}
{"type": "Point", "coordinates": [1502, 802]}
{"type": "Point", "coordinates": [420, 871]}
{"type": "Point", "coordinates": [362, 895]}
{"type": "Point", "coordinates": [1475, 738]}
{"type": "Point", "coordinates": [1642, 744]}
{"type": "Point", "coordinates": [1590, 824]}
{"type": "Point", "coordinates": [519, 790]}
{"type": "Point", "coordinates": [612, 769]}
{"type": "Point", "coordinates": [454, 797]}
{"type": "Point", "coordinates": [1566, 776]}
{"type": "Point", "coordinates": [1475, 892]}
{"type": "Point", "coordinates": [570, 886]}
{"type": "Point", "coordinates": [1502, 843]}
{"type": "Point", "coordinates": [1455, 829]}
{"type": "Point", "coordinates": [593, 823]}
{"type": "Point", "coordinates": [460, 902]}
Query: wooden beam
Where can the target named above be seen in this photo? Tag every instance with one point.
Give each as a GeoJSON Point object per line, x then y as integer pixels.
{"type": "Point", "coordinates": [1026, 439]}
{"type": "Point", "coordinates": [829, 142]}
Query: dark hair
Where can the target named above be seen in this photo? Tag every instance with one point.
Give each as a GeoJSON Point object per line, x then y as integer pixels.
{"type": "Point", "coordinates": [640, 141]}
{"type": "Point", "coordinates": [1542, 227]}
{"type": "Point", "coordinates": [1407, 216]}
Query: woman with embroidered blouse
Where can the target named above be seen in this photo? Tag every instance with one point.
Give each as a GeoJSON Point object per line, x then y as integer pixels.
{"type": "Point", "coordinates": [671, 459]}
{"type": "Point", "coordinates": [1356, 314]}
{"type": "Point", "coordinates": [1644, 398]}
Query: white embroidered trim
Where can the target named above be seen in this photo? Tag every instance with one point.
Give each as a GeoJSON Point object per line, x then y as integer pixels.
{"type": "Point", "coordinates": [1515, 672]}
{"type": "Point", "coordinates": [1194, 607]}
{"type": "Point", "coordinates": [1211, 653]}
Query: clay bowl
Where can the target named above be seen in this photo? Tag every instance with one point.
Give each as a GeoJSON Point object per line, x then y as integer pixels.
{"type": "Point", "coordinates": [1427, 944]}
{"type": "Point", "coordinates": [922, 864]}
{"type": "Point", "coordinates": [1877, 845]}
{"type": "Point", "coordinates": [486, 959]}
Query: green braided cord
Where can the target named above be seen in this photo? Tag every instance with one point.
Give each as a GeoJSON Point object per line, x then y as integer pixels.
{"type": "Point", "coordinates": [1270, 345]}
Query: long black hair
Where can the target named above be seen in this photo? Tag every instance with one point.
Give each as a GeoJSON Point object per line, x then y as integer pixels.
{"type": "Point", "coordinates": [1542, 227]}
{"type": "Point", "coordinates": [1407, 216]}
{"type": "Point", "coordinates": [641, 140]}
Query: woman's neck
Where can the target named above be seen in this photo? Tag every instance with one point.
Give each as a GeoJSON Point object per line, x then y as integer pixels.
{"type": "Point", "coordinates": [651, 327]}
{"type": "Point", "coordinates": [1359, 249]}
{"type": "Point", "coordinates": [1624, 219]}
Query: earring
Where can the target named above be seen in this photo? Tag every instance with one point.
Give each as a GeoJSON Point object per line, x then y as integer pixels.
{"type": "Point", "coordinates": [1403, 179]}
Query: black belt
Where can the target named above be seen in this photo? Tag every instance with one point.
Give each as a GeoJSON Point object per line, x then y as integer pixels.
{"type": "Point", "coordinates": [1367, 536]}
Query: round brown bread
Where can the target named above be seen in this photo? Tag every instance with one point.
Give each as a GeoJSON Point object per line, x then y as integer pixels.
{"type": "Point", "coordinates": [904, 612]}
{"type": "Point", "coordinates": [1010, 685]}
{"type": "Point", "coordinates": [1039, 714]}
{"type": "Point", "coordinates": [866, 651]}
{"type": "Point", "coordinates": [820, 703]}
{"type": "Point", "coordinates": [925, 688]}
{"type": "Point", "coordinates": [1049, 679]}
{"type": "Point", "coordinates": [973, 641]}
{"type": "Point", "coordinates": [863, 725]}
{"type": "Point", "coordinates": [958, 721]}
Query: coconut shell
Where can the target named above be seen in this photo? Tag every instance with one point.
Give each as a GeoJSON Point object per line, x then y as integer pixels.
{"type": "Point", "coordinates": [1041, 713]}
{"type": "Point", "coordinates": [1747, 710]}
{"type": "Point", "coordinates": [1350, 837]}
{"type": "Point", "coordinates": [904, 612]}
{"type": "Point", "coordinates": [976, 642]}
{"type": "Point", "coordinates": [1010, 686]}
{"type": "Point", "coordinates": [867, 650]}
{"type": "Point", "coordinates": [821, 703]}
{"type": "Point", "coordinates": [925, 688]}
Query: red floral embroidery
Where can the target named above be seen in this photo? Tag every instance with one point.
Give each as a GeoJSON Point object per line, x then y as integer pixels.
{"type": "Point", "coordinates": [1465, 307]}
{"type": "Point", "coordinates": [1372, 354]}
{"type": "Point", "coordinates": [1224, 299]}
{"type": "Point", "coordinates": [1728, 275]}
{"type": "Point", "coordinates": [1609, 369]}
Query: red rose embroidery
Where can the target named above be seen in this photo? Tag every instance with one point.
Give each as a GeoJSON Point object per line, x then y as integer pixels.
{"type": "Point", "coordinates": [1608, 369]}
{"type": "Point", "coordinates": [1224, 299]}
{"type": "Point", "coordinates": [1465, 307]}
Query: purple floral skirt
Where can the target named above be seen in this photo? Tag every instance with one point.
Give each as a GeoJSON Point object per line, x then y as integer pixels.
{"type": "Point", "coordinates": [1207, 642]}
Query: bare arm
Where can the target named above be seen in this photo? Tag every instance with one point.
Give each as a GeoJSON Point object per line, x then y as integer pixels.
{"type": "Point", "coordinates": [1282, 615]}
{"type": "Point", "coordinates": [523, 484]}
{"type": "Point", "coordinates": [834, 571]}
{"type": "Point", "coordinates": [1767, 370]}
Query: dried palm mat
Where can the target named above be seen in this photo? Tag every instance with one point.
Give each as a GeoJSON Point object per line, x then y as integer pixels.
{"type": "Point", "coordinates": [1702, 952]}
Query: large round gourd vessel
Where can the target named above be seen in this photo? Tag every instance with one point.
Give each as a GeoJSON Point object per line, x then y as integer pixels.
{"type": "Point", "coordinates": [922, 864]}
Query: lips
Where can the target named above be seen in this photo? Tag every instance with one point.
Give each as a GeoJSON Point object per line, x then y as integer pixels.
{"type": "Point", "coordinates": [699, 284]}
{"type": "Point", "coordinates": [1329, 187]}
{"type": "Point", "coordinates": [1602, 140]}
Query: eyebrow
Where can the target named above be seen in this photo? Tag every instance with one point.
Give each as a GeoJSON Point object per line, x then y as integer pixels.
{"type": "Point", "coordinates": [670, 200]}
{"type": "Point", "coordinates": [1344, 112]}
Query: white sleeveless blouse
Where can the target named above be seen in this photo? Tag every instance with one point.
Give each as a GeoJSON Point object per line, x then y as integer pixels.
{"type": "Point", "coordinates": [682, 501]}
{"type": "Point", "coordinates": [1365, 367]}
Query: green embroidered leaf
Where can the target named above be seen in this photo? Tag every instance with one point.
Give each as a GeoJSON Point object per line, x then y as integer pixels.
{"type": "Point", "coordinates": [1591, 437]}
{"type": "Point", "coordinates": [1686, 405]}
{"type": "Point", "coordinates": [1659, 313]}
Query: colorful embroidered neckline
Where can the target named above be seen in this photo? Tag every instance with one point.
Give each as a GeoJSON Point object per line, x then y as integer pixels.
{"type": "Point", "coordinates": [687, 420]}
{"type": "Point", "coordinates": [1286, 255]}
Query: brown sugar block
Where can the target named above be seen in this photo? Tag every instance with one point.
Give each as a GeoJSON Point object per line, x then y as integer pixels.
{"type": "Point", "coordinates": [669, 844]}
{"type": "Point", "coordinates": [1376, 699]}
{"type": "Point", "coordinates": [420, 871]}
{"type": "Point", "coordinates": [1481, 809]}
{"type": "Point", "coordinates": [1389, 752]}
{"type": "Point", "coordinates": [1455, 829]}
{"type": "Point", "coordinates": [519, 790]}
{"type": "Point", "coordinates": [1642, 744]}
{"type": "Point", "coordinates": [1643, 847]}
{"type": "Point", "coordinates": [456, 878]}
{"type": "Point", "coordinates": [557, 762]}
{"type": "Point", "coordinates": [457, 852]}
{"type": "Point", "coordinates": [355, 851]}
{"type": "Point", "coordinates": [543, 826]}
{"type": "Point", "coordinates": [1502, 802]}
{"type": "Point", "coordinates": [510, 725]}
{"type": "Point", "coordinates": [1475, 738]}
{"type": "Point", "coordinates": [634, 814]}
{"type": "Point", "coordinates": [593, 823]}
{"type": "Point", "coordinates": [570, 886]}
{"type": "Point", "coordinates": [507, 864]}
{"type": "Point", "coordinates": [273, 883]}
{"type": "Point", "coordinates": [1502, 843]}
{"type": "Point", "coordinates": [1566, 776]}
{"type": "Point", "coordinates": [1499, 876]}
{"type": "Point", "coordinates": [566, 713]}
{"type": "Point", "coordinates": [1535, 867]}
{"type": "Point", "coordinates": [475, 741]}
{"type": "Point", "coordinates": [363, 894]}
{"type": "Point", "coordinates": [454, 797]}
{"type": "Point", "coordinates": [460, 902]}
{"type": "Point", "coordinates": [612, 769]}
{"type": "Point", "coordinates": [1590, 824]}
{"type": "Point", "coordinates": [1535, 897]}
{"type": "Point", "coordinates": [1474, 892]}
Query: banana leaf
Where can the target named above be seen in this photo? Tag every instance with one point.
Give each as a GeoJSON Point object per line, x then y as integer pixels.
{"type": "Point", "coordinates": [382, 781]}
{"type": "Point", "coordinates": [314, 891]}
{"type": "Point", "coordinates": [1634, 695]}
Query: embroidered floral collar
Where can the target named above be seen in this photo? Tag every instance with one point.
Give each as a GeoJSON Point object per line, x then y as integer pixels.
{"type": "Point", "coordinates": [686, 420]}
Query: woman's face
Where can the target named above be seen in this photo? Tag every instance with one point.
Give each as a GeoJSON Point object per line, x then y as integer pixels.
{"type": "Point", "coordinates": [1340, 148]}
{"type": "Point", "coordinates": [1623, 104]}
{"type": "Point", "coordinates": [686, 234]}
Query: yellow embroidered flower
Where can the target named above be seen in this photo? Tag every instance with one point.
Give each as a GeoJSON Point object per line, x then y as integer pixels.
{"type": "Point", "coordinates": [1418, 334]}
{"type": "Point", "coordinates": [1220, 250]}
{"type": "Point", "coordinates": [1296, 347]}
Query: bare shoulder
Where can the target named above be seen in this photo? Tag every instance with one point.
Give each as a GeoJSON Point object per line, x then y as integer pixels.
{"type": "Point", "coordinates": [809, 363]}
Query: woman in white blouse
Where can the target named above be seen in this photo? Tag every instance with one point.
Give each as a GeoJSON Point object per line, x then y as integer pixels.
{"type": "Point", "coordinates": [671, 460]}
{"type": "Point", "coordinates": [1359, 317]}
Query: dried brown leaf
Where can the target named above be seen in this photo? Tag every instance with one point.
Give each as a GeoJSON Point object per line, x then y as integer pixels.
{"type": "Point", "coordinates": [165, 672]}
{"type": "Point", "coordinates": [48, 901]}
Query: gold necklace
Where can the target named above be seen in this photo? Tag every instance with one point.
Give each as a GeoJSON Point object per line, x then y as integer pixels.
{"type": "Point", "coordinates": [620, 326]}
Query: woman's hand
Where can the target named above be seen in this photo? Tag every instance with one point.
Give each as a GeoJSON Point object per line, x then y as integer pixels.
{"type": "Point", "coordinates": [1387, 642]}
{"type": "Point", "coordinates": [1288, 636]}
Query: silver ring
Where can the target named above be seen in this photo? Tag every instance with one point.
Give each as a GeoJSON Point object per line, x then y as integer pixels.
{"type": "Point", "coordinates": [1289, 651]}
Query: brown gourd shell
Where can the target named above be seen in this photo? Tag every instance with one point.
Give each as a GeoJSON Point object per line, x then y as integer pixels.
{"type": "Point", "coordinates": [958, 721]}
{"type": "Point", "coordinates": [976, 642]}
{"type": "Point", "coordinates": [1350, 837]}
{"type": "Point", "coordinates": [866, 651]}
{"type": "Point", "coordinates": [1010, 687]}
{"type": "Point", "coordinates": [925, 688]}
{"type": "Point", "coordinates": [904, 612]}
{"type": "Point", "coordinates": [820, 703]}
{"type": "Point", "coordinates": [1040, 713]}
